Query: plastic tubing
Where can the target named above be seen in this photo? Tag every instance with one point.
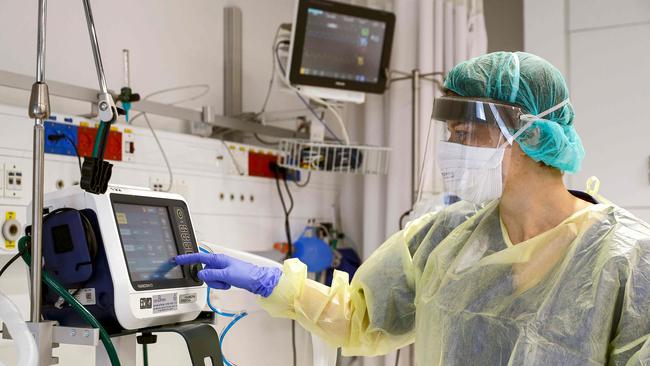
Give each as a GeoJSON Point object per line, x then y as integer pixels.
{"type": "Point", "coordinates": [55, 286]}
{"type": "Point", "coordinates": [98, 138]}
{"type": "Point", "coordinates": [23, 339]}
{"type": "Point", "coordinates": [236, 318]}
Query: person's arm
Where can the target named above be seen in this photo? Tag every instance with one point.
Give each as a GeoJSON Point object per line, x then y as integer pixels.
{"type": "Point", "coordinates": [373, 315]}
{"type": "Point", "coordinates": [631, 343]}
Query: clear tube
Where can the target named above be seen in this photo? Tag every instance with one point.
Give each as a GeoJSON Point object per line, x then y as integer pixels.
{"type": "Point", "coordinates": [23, 339]}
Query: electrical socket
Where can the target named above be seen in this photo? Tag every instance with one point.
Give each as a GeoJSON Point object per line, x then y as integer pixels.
{"type": "Point", "coordinates": [14, 180]}
{"type": "Point", "coordinates": [159, 184]}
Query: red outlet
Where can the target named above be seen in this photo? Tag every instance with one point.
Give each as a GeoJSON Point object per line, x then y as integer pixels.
{"type": "Point", "coordinates": [258, 164]}
{"type": "Point", "coordinates": [86, 140]}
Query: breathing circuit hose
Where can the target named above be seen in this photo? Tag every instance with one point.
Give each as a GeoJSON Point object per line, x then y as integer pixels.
{"type": "Point", "coordinates": [55, 286]}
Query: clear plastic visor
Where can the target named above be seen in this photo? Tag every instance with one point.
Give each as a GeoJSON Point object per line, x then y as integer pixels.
{"type": "Point", "coordinates": [476, 122]}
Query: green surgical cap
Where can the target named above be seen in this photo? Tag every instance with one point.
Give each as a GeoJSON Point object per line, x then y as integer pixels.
{"type": "Point", "coordinates": [535, 85]}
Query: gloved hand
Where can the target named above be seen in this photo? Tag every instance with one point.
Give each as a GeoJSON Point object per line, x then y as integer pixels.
{"type": "Point", "coordinates": [221, 272]}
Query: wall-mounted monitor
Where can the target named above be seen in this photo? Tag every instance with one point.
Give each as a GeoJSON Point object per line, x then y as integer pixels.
{"type": "Point", "coordinates": [339, 49]}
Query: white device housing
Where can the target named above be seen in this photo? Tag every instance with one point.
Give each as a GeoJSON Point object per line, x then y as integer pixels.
{"type": "Point", "coordinates": [126, 297]}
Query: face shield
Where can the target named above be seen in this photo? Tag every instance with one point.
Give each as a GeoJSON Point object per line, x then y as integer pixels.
{"type": "Point", "coordinates": [475, 139]}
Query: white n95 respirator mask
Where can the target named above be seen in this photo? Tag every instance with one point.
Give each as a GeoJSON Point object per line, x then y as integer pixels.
{"type": "Point", "coordinates": [472, 173]}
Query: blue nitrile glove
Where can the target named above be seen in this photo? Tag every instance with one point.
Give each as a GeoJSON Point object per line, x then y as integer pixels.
{"type": "Point", "coordinates": [222, 271]}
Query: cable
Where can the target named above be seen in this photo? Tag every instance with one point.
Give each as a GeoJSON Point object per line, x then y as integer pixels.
{"type": "Point", "coordinates": [205, 87]}
{"type": "Point", "coordinates": [264, 142]}
{"type": "Point", "coordinates": [76, 151]}
{"type": "Point", "coordinates": [11, 261]}
{"type": "Point", "coordinates": [162, 151]}
{"type": "Point", "coordinates": [339, 119]}
{"type": "Point", "coordinates": [306, 103]}
{"type": "Point", "coordinates": [236, 316]}
{"type": "Point", "coordinates": [287, 227]}
{"type": "Point", "coordinates": [287, 212]}
{"type": "Point", "coordinates": [303, 185]}
{"type": "Point", "coordinates": [272, 80]}
{"type": "Point", "coordinates": [206, 90]}
{"type": "Point", "coordinates": [240, 171]}
{"type": "Point", "coordinates": [225, 331]}
{"type": "Point", "coordinates": [145, 355]}
{"type": "Point", "coordinates": [184, 87]}
{"type": "Point", "coordinates": [424, 159]}
{"type": "Point", "coordinates": [83, 312]}
{"type": "Point", "coordinates": [402, 217]}
{"type": "Point", "coordinates": [60, 135]}
{"type": "Point", "coordinates": [397, 357]}
{"type": "Point", "coordinates": [293, 341]}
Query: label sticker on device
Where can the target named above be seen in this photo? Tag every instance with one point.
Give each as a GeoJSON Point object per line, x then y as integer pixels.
{"type": "Point", "coordinates": [165, 302]}
{"type": "Point", "coordinates": [187, 298]}
{"type": "Point", "coordinates": [86, 296]}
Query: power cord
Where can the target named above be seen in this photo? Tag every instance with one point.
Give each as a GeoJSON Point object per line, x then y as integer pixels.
{"type": "Point", "coordinates": [239, 169]}
{"type": "Point", "coordinates": [206, 90]}
{"type": "Point", "coordinates": [302, 99]}
{"type": "Point", "coordinates": [10, 262]}
{"type": "Point", "coordinates": [303, 185]}
{"type": "Point", "coordinates": [59, 136]}
{"type": "Point", "coordinates": [162, 152]}
{"type": "Point", "coordinates": [277, 173]}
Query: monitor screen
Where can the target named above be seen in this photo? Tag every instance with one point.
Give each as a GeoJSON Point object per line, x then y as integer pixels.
{"type": "Point", "coordinates": [148, 242]}
{"type": "Point", "coordinates": [342, 46]}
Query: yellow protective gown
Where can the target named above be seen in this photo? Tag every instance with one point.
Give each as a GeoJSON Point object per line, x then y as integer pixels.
{"type": "Point", "coordinates": [452, 282]}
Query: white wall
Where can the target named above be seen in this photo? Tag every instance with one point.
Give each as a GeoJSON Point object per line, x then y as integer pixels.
{"type": "Point", "coordinates": [602, 48]}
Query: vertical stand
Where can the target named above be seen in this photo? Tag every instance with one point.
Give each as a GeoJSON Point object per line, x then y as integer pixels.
{"type": "Point", "coordinates": [39, 110]}
{"type": "Point", "coordinates": [415, 77]}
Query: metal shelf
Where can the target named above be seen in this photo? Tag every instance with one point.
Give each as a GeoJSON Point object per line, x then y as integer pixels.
{"type": "Point", "coordinates": [331, 157]}
{"type": "Point", "coordinates": [24, 82]}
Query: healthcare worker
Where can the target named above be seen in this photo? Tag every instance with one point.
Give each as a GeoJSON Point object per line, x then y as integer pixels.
{"type": "Point", "coordinates": [519, 272]}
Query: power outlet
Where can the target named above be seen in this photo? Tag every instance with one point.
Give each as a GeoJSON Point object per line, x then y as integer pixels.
{"type": "Point", "coordinates": [128, 141]}
{"type": "Point", "coordinates": [159, 184]}
{"type": "Point", "coordinates": [14, 180]}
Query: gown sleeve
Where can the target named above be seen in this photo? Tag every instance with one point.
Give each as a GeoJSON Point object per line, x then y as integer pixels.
{"type": "Point", "coordinates": [372, 315]}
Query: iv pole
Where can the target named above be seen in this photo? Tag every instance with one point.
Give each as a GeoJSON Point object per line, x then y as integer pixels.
{"type": "Point", "coordinates": [416, 77]}
{"type": "Point", "coordinates": [39, 110]}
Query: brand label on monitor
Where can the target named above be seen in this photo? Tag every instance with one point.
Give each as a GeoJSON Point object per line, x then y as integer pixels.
{"type": "Point", "coordinates": [187, 298]}
{"type": "Point", "coordinates": [86, 296]}
{"type": "Point", "coordinates": [165, 302]}
{"type": "Point", "coordinates": [145, 303]}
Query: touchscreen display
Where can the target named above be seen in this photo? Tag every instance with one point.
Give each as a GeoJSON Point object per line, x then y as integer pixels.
{"type": "Point", "coordinates": [148, 242]}
{"type": "Point", "coordinates": [342, 47]}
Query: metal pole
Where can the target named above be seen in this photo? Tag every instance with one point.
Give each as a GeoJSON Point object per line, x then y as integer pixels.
{"type": "Point", "coordinates": [39, 109]}
{"type": "Point", "coordinates": [127, 68]}
{"type": "Point", "coordinates": [95, 45]}
{"type": "Point", "coordinates": [415, 133]}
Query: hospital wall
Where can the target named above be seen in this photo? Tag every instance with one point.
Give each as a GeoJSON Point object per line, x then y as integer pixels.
{"type": "Point", "coordinates": [172, 43]}
{"type": "Point", "coordinates": [602, 48]}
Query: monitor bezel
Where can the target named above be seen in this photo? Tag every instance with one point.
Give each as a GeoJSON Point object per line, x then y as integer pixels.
{"type": "Point", "coordinates": [298, 42]}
